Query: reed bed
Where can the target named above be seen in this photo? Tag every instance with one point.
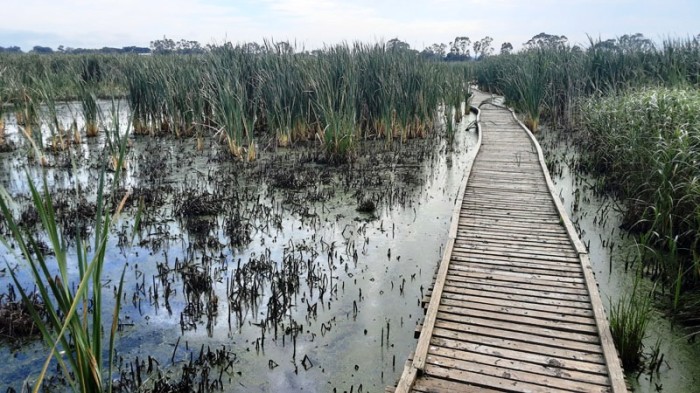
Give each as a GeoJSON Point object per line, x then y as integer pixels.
{"type": "Point", "coordinates": [646, 142]}
{"type": "Point", "coordinates": [333, 97]}
{"type": "Point", "coordinates": [550, 80]}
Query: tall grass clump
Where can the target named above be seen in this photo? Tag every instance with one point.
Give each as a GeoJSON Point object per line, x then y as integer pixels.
{"type": "Point", "coordinates": [523, 79]}
{"type": "Point", "coordinates": [558, 76]}
{"type": "Point", "coordinates": [73, 326]}
{"type": "Point", "coordinates": [629, 319]}
{"type": "Point", "coordinates": [334, 82]}
{"type": "Point", "coordinates": [88, 104]}
{"type": "Point", "coordinates": [646, 144]}
{"type": "Point", "coordinates": [286, 96]}
{"type": "Point", "coordinates": [26, 102]}
{"type": "Point", "coordinates": [528, 79]}
{"type": "Point", "coordinates": [232, 91]}
{"type": "Point", "coordinates": [456, 92]}
{"type": "Point", "coordinates": [335, 96]}
{"type": "Point", "coordinates": [143, 84]}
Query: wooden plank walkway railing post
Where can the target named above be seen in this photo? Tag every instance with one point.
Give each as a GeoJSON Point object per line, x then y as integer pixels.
{"type": "Point", "coordinates": [514, 307]}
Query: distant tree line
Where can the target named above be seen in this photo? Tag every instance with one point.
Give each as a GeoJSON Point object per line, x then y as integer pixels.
{"type": "Point", "coordinates": [460, 49]}
{"type": "Point", "coordinates": [76, 51]}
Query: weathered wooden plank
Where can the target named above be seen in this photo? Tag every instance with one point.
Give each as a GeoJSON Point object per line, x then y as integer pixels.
{"type": "Point", "coordinates": [507, 218]}
{"type": "Point", "coordinates": [504, 275]}
{"type": "Point", "coordinates": [449, 297]}
{"type": "Point", "coordinates": [432, 385]}
{"type": "Point", "coordinates": [511, 225]}
{"type": "Point", "coordinates": [523, 217]}
{"type": "Point", "coordinates": [477, 227]}
{"type": "Point", "coordinates": [484, 203]}
{"type": "Point", "coordinates": [528, 253]}
{"type": "Point", "coordinates": [536, 248]}
{"type": "Point", "coordinates": [504, 194]}
{"type": "Point", "coordinates": [555, 320]}
{"type": "Point", "coordinates": [542, 359]}
{"type": "Point", "coordinates": [502, 177]}
{"type": "Point", "coordinates": [499, 210]}
{"type": "Point", "coordinates": [521, 191]}
{"type": "Point", "coordinates": [559, 346]}
{"type": "Point", "coordinates": [531, 371]}
{"type": "Point", "coordinates": [528, 257]}
{"type": "Point", "coordinates": [510, 266]}
{"type": "Point", "coordinates": [533, 324]}
{"type": "Point", "coordinates": [516, 199]}
{"type": "Point", "coordinates": [508, 282]}
{"type": "Point", "coordinates": [515, 240]}
{"type": "Point", "coordinates": [499, 377]}
{"type": "Point", "coordinates": [506, 292]}
{"type": "Point", "coordinates": [408, 377]}
{"type": "Point", "coordinates": [508, 180]}
{"type": "Point", "coordinates": [542, 266]}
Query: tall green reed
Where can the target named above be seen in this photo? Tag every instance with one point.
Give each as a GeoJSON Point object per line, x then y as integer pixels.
{"type": "Point", "coordinates": [629, 320]}
{"type": "Point", "coordinates": [646, 143]}
{"type": "Point", "coordinates": [73, 328]}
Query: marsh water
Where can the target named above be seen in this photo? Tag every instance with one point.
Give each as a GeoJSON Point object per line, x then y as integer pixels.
{"type": "Point", "coordinates": [290, 274]}
{"type": "Point", "coordinates": [285, 274]}
{"type": "Point", "coordinates": [612, 253]}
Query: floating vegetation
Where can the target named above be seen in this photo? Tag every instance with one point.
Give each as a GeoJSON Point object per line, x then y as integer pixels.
{"type": "Point", "coordinates": [16, 320]}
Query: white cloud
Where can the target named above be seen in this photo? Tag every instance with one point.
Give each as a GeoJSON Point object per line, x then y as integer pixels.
{"type": "Point", "coordinates": [125, 22]}
{"type": "Point", "coordinates": [96, 23]}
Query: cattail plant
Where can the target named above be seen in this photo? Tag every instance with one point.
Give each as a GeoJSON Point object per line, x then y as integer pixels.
{"type": "Point", "coordinates": [88, 102]}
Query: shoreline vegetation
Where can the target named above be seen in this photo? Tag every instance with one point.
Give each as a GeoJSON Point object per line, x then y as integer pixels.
{"type": "Point", "coordinates": [335, 97]}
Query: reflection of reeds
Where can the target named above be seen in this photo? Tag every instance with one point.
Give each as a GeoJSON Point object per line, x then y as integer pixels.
{"type": "Point", "coordinates": [2, 127]}
{"type": "Point", "coordinates": [73, 326]}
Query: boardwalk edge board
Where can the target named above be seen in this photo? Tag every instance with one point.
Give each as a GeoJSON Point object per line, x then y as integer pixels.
{"type": "Point", "coordinates": [421, 354]}
{"type": "Point", "coordinates": [611, 357]}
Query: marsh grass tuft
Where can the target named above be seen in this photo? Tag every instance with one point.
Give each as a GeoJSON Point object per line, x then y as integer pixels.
{"type": "Point", "coordinates": [70, 319]}
{"type": "Point", "coordinates": [629, 319]}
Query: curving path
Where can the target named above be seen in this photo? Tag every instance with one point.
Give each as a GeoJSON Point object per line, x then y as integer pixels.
{"type": "Point", "coordinates": [514, 307]}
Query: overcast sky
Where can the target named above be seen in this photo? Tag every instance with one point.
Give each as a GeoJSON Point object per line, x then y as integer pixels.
{"type": "Point", "coordinates": [313, 23]}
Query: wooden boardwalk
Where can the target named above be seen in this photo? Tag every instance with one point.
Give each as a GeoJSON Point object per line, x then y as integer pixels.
{"type": "Point", "coordinates": [514, 307]}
